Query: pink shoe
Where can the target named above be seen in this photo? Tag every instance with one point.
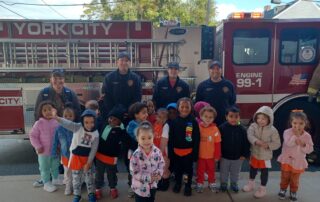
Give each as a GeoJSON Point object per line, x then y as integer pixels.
{"type": "Point", "coordinates": [261, 192]}
{"type": "Point", "coordinates": [249, 187]}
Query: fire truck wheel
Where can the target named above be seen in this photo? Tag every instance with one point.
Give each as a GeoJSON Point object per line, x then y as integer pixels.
{"type": "Point", "coordinates": [312, 109]}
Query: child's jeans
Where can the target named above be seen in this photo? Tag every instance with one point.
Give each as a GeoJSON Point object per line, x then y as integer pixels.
{"type": "Point", "coordinates": [77, 181]}
{"type": "Point", "coordinates": [290, 178]}
{"type": "Point", "coordinates": [111, 174]}
{"type": "Point", "coordinates": [48, 165]}
{"type": "Point", "coordinates": [231, 167]}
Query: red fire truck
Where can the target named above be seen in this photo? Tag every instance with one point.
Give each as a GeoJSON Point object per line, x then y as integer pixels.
{"type": "Point", "coordinates": [29, 49]}
{"type": "Point", "coordinates": [271, 63]}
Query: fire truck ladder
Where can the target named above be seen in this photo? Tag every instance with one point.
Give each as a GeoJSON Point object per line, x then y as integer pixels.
{"type": "Point", "coordinates": [33, 54]}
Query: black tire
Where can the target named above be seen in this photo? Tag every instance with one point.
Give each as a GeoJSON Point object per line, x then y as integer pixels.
{"type": "Point", "coordinates": [312, 109]}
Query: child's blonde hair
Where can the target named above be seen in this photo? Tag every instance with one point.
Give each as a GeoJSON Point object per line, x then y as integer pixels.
{"type": "Point", "coordinates": [144, 126]}
{"type": "Point", "coordinates": [208, 109]}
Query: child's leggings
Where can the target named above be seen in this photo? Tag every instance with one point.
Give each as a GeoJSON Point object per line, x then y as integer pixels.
{"type": "Point", "coordinates": [77, 181]}
{"type": "Point", "coordinates": [183, 164]}
{"type": "Point", "coordinates": [290, 178]}
{"type": "Point", "coordinates": [263, 177]}
{"type": "Point", "coordinates": [48, 165]}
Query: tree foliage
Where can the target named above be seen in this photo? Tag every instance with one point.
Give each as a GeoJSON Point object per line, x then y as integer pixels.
{"type": "Point", "coordinates": [188, 12]}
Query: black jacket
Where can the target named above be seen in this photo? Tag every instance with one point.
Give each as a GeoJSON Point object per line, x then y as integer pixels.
{"type": "Point", "coordinates": [234, 141]}
{"type": "Point", "coordinates": [164, 94]}
{"type": "Point", "coordinates": [112, 145]}
{"type": "Point", "coordinates": [120, 89]}
{"type": "Point", "coordinates": [177, 135]}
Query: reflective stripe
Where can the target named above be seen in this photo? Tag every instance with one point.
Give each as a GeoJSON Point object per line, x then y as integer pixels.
{"type": "Point", "coordinates": [260, 98]}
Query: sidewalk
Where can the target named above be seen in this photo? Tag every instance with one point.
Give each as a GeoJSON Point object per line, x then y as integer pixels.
{"type": "Point", "coordinates": [19, 189]}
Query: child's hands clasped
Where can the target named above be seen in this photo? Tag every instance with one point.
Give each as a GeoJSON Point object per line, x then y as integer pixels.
{"type": "Point", "coordinates": [155, 177]}
{"type": "Point", "coordinates": [300, 143]}
{"type": "Point", "coordinates": [40, 150]}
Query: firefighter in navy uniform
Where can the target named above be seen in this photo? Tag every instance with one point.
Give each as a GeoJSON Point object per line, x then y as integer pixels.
{"type": "Point", "coordinates": [170, 88]}
{"type": "Point", "coordinates": [217, 91]}
{"type": "Point", "coordinates": [58, 94]}
{"type": "Point", "coordinates": [121, 86]}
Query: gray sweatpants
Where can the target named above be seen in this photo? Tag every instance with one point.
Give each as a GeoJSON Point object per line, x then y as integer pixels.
{"type": "Point", "coordinates": [77, 181]}
{"type": "Point", "coordinates": [231, 167]}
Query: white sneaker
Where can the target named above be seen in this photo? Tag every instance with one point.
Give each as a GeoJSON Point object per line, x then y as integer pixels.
{"type": "Point", "coordinates": [38, 183]}
{"type": "Point", "coordinates": [249, 187]}
{"type": "Point", "coordinates": [49, 187]}
{"type": "Point", "coordinates": [57, 182]}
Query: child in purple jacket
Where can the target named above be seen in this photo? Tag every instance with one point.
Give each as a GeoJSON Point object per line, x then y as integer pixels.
{"type": "Point", "coordinates": [146, 164]}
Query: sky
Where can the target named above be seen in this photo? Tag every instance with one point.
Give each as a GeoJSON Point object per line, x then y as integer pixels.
{"type": "Point", "coordinates": [224, 7]}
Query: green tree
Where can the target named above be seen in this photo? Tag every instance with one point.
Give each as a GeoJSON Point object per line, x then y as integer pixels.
{"type": "Point", "coordinates": [188, 12]}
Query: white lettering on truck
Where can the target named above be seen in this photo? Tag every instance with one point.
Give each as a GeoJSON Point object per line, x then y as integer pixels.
{"type": "Point", "coordinates": [247, 80]}
{"type": "Point", "coordinates": [10, 101]}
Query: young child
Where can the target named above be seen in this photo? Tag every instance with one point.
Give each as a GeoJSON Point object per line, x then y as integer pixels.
{"type": "Point", "coordinates": [296, 144]}
{"type": "Point", "coordinates": [146, 165]}
{"type": "Point", "coordinates": [209, 148]}
{"type": "Point", "coordinates": [172, 111]}
{"type": "Point", "coordinates": [197, 108]}
{"type": "Point", "coordinates": [264, 138]}
{"type": "Point", "coordinates": [83, 149]}
{"type": "Point", "coordinates": [61, 146]}
{"type": "Point", "coordinates": [109, 149]}
{"type": "Point", "coordinates": [151, 112]}
{"type": "Point", "coordinates": [161, 137]}
{"type": "Point", "coordinates": [234, 149]}
{"type": "Point", "coordinates": [139, 112]}
{"type": "Point", "coordinates": [94, 105]}
{"type": "Point", "coordinates": [41, 138]}
{"type": "Point", "coordinates": [184, 144]}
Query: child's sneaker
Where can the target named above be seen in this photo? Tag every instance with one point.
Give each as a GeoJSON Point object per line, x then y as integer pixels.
{"type": "Point", "coordinates": [92, 197]}
{"type": "Point", "coordinates": [114, 193]}
{"type": "Point", "coordinates": [49, 187]}
{"type": "Point", "coordinates": [130, 193]}
{"type": "Point", "coordinates": [234, 187]}
{"type": "Point", "coordinates": [213, 187]}
{"type": "Point", "coordinates": [293, 197]}
{"type": "Point", "coordinates": [249, 187]}
{"type": "Point", "coordinates": [223, 187]}
{"type": "Point", "coordinates": [38, 183]}
{"type": "Point", "coordinates": [76, 198]}
{"type": "Point", "coordinates": [199, 188]}
{"type": "Point", "coordinates": [185, 178]}
{"type": "Point", "coordinates": [282, 194]}
{"type": "Point", "coordinates": [261, 192]}
{"type": "Point", "coordinates": [187, 191]}
{"type": "Point", "coordinates": [98, 194]}
{"type": "Point", "coordinates": [57, 182]}
{"type": "Point", "coordinates": [68, 190]}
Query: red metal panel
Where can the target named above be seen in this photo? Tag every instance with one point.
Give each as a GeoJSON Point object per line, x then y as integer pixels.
{"type": "Point", "coordinates": [3, 30]}
{"type": "Point", "coordinates": [11, 110]}
{"type": "Point", "coordinates": [140, 30]}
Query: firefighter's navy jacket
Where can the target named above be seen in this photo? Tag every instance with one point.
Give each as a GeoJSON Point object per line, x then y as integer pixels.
{"type": "Point", "coordinates": [164, 94]}
{"type": "Point", "coordinates": [120, 89]}
{"type": "Point", "coordinates": [219, 95]}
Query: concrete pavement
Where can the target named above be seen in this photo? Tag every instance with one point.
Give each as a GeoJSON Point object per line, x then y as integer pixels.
{"type": "Point", "coordinates": [19, 189]}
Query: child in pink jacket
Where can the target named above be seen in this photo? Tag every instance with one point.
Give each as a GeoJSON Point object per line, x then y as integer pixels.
{"type": "Point", "coordinates": [146, 164]}
{"type": "Point", "coordinates": [297, 143]}
{"type": "Point", "coordinates": [41, 138]}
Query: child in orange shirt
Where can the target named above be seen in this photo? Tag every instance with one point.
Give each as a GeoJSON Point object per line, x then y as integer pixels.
{"type": "Point", "coordinates": [209, 148]}
{"type": "Point", "coordinates": [161, 136]}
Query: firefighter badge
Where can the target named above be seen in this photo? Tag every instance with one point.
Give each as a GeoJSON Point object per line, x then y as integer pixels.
{"type": "Point", "coordinates": [130, 82]}
{"type": "Point", "coordinates": [225, 89]}
{"type": "Point", "coordinates": [179, 89]}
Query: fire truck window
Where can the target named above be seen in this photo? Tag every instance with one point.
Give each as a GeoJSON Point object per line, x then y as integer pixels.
{"type": "Point", "coordinates": [298, 46]}
{"type": "Point", "coordinates": [251, 47]}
